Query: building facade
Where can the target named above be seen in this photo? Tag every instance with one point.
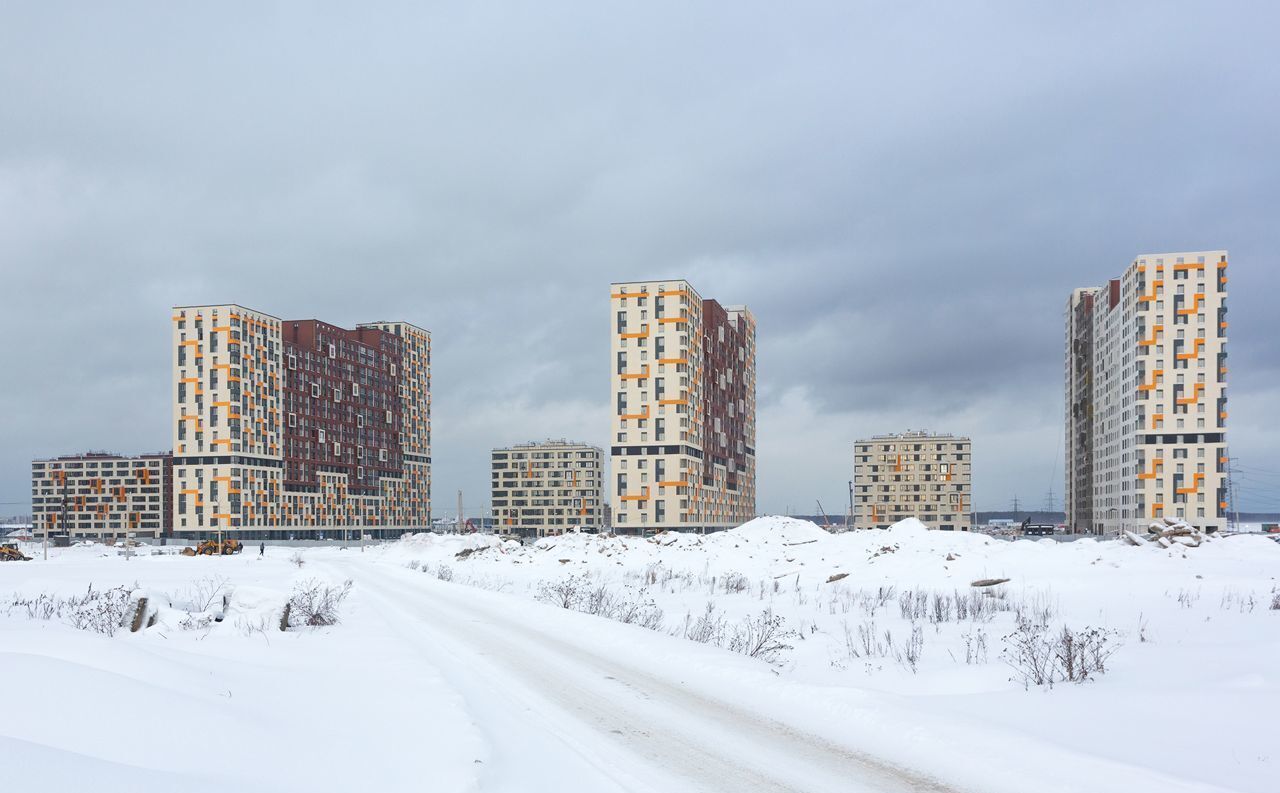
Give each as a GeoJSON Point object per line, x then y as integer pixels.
{"type": "Point", "coordinates": [103, 495]}
{"type": "Point", "coordinates": [683, 429]}
{"type": "Point", "coordinates": [1146, 395]}
{"type": "Point", "coordinates": [920, 475]}
{"type": "Point", "coordinates": [547, 488]}
{"type": "Point", "coordinates": [299, 428]}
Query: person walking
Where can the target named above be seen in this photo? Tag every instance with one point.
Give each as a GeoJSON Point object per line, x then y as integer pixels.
{"type": "Point", "coordinates": [262, 549]}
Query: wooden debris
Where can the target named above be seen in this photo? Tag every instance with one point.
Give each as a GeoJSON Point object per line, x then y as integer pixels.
{"type": "Point", "coordinates": [837, 577]}
{"type": "Point", "coordinates": [989, 581]}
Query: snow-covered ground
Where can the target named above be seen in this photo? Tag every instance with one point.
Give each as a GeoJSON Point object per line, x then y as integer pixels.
{"type": "Point", "coordinates": [456, 668]}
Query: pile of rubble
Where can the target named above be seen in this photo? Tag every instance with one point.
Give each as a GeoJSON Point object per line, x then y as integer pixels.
{"type": "Point", "coordinates": [1168, 532]}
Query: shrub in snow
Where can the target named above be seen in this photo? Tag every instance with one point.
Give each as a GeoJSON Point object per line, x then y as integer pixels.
{"type": "Point", "coordinates": [1275, 602]}
{"type": "Point", "coordinates": [735, 582]}
{"type": "Point", "coordinates": [708, 628]}
{"type": "Point", "coordinates": [909, 653]}
{"type": "Point", "coordinates": [316, 604]}
{"type": "Point", "coordinates": [102, 611]}
{"type": "Point", "coordinates": [566, 593]}
{"type": "Point", "coordinates": [297, 559]}
{"type": "Point", "coordinates": [1029, 653]}
{"type": "Point", "coordinates": [195, 622]}
{"type": "Point", "coordinates": [202, 594]}
{"type": "Point", "coordinates": [1042, 659]}
{"type": "Point", "coordinates": [762, 637]}
{"type": "Point", "coordinates": [444, 572]}
{"type": "Point", "coordinates": [415, 564]}
{"type": "Point", "coordinates": [598, 601]}
{"type": "Point", "coordinates": [975, 646]}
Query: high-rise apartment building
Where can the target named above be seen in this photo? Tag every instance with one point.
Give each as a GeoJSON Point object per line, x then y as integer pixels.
{"type": "Point", "coordinates": [684, 410]}
{"type": "Point", "coordinates": [547, 488]}
{"type": "Point", "coordinates": [919, 475]}
{"type": "Point", "coordinates": [1146, 395]}
{"type": "Point", "coordinates": [299, 428]}
{"type": "Point", "coordinates": [102, 495]}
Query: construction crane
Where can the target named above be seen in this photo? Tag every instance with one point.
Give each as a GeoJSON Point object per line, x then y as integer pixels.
{"type": "Point", "coordinates": [826, 522]}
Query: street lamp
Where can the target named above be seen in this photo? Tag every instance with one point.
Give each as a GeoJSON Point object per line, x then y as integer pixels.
{"type": "Point", "coordinates": [848, 519]}
{"type": "Point", "coordinates": [218, 525]}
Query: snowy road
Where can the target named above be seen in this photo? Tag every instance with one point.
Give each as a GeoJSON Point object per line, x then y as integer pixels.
{"type": "Point", "coordinates": [558, 713]}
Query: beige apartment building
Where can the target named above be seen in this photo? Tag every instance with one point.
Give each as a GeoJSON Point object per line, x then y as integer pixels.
{"type": "Point", "coordinates": [547, 488]}
{"type": "Point", "coordinates": [683, 431]}
{"type": "Point", "coordinates": [919, 475]}
{"type": "Point", "coordinates": [299, 428]}
{"type": "Point", "coordinates": [1146, 395]}
{"type": "Point", "coordinates": [102, 495]}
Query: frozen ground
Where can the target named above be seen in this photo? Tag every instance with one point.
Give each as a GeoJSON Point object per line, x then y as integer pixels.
{"type": "Point", "coordinates": [482, 682]}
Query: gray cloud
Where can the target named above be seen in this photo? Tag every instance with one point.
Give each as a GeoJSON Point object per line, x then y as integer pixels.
{"type": "Point", "coordinates": [904, 195]}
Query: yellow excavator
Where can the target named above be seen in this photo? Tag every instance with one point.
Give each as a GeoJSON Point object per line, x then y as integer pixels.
{"type": "Point", "coordinates": [211, 547]}
{"type": "Point", "coordinates": [10, 553]}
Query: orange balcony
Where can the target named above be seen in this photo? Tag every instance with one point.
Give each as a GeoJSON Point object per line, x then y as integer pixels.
{"type": "Point", "coordinates": [643, 415]}
{"type": "Point", "coordinates": [1154, 289]}
{"type": "Point", "coordinates": [640, 334]}
{"type": "Point", "coordinates": [1196, 390]}
{"type": "Point", "coordinates": [673, 320]}
{"type": "Point", "coordinates": [1194, 307]}
{"type": "Point", "coordinates": [1155, 335]}
{"type": "Point", "coordinates": [640, 375]}
{"type": "Point", "coordinates": [1156, 465]}
{"type": "Point", "coordinates": [1155, 380]}
{"type": "Point", "coordinates": [1157, 510]}
{"type": "Point", "coordinates": [673, 360]}
{"type": "Point", "coordinates": [1189, 266]}
{"type": "Point", "coordinates": [643, 495]}
{"type": "Point", "coordinates": [1195, 488]}
{"type": "Point", "coordinates": [1196, 344]}
{"type": "Point", "coordinates": [1155, 419]}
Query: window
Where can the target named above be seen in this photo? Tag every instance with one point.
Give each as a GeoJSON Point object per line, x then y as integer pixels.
{"type": "Point", "coordinates": [320, 436]}
{"type": "Point", "coordinates": [393, 370]}
{"type": "Point", "coordinates": [382, 455]}
{"type": "Point", "coordinates": [293, 362]}
{"type": "Point", "coordinates": [315, 390]}
{"type": "Point", "coordinates": [355, 389]}
{"type": "Point", "coordinates": [359, 419]}
{"type": "Point", "coordinates": [337, 394]}
{"type": "Point", "coordinates": [388, 416]}
{"type": "Point", "coordinates": [337, 449]}
{"type": "Point", "coordinates": [333, 351]}
{"type": "Point", "coordinates": [293, 419]}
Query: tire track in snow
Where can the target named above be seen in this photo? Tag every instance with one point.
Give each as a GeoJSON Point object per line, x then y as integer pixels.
{"type": "Point", "coordinates": [640, 731]}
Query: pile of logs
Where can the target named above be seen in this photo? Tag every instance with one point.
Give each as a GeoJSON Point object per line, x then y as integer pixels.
{"type": "Point", "coordinates": [1168, 532]}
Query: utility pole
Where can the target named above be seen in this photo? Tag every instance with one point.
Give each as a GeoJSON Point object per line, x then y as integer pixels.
{"type": "Point", "coordinates": [1233, 508]}
{"type": "Point", "coordinates": [1015, 508]}
{"type": "Point", "coordinates": [459, 511]}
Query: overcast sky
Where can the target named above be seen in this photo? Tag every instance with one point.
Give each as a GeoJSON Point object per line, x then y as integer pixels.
{"type": "Point", "coordinates": [903, 193]}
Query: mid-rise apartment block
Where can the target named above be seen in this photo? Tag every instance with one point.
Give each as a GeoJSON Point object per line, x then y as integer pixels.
{"type": "Point", "coordinates": [920, 475]}
{"type": "Point", "coordinates": [683, 431]}
{"type": "Point", "coordinates": [298, 427]}
{"type": "Point", "coordinates": [1146, 395]}
{"type": "Point", "coordinates": [547, 488]}
{"type": "Point", "coordinates": [102, 495]}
